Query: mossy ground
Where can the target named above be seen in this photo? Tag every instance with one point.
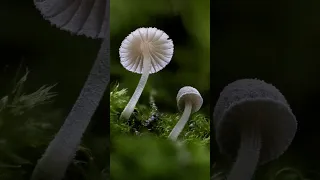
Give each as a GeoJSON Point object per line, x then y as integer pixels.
{"type": "Point", "coordinates": [141, 149]}
{"type": "Point", "coordinates": [27, 124]}
{"type": "Point", "coordinates": [138, 148]}
{"type": "Point", "coordinates": [148, 119]}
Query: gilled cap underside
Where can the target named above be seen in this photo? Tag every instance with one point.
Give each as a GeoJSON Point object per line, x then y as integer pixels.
{"type": "Point", "coordinates": [80, 17]}
{"type": "Point", "coordinates": [156, 42]}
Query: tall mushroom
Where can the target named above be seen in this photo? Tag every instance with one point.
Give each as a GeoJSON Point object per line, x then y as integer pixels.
{"type": "Point", "coordinates": [190, 101]}
{"type": "Point", "coordinates": [81, 17]}
{"type": "Point", "coordinates": [254, 123]}
{"type": "Point", "coordinates": [145, 51]}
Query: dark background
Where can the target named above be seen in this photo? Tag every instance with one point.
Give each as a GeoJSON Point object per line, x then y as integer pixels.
{"type": "Point", "coordinates": [279, 42]}
{"type": "Point", "coordinates": [51, 55]}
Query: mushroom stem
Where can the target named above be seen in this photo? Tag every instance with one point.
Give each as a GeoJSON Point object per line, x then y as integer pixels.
{"type": "Point", "coordinates": [62, 149]}
{"type": "Point", "coordinates": [182, 122]}
{"type": "Point", "coordinates": [248, 155]}
{"type": "Point", "coordinates": [126, 113]}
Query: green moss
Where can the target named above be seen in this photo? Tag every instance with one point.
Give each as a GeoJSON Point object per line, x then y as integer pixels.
{"type": "Point", "coordinates": [141, 150]}
{"type": "Point", "coordinates": [24, 128]}
{"type": "Point", "coordinates": [149, 120]}
{"type": "Point", "coordinates": [149, 157]}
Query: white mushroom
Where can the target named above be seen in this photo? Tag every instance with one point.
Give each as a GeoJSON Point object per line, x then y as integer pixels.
{"type": "Point", "coordinates": [80, 17]}
{"type": "Point", "coordinates": [190, 101]}
{"type": "Point", "coordinates": [144, 51]}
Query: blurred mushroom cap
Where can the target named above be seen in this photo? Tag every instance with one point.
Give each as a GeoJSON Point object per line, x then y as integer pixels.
{"type": "Point", "coordinates": [153, 40]}
{"type": "Point", "coordinates": [80, 17]}
{"type": "Point", "coordinates": [191, 94]}
{"type": "Point", "coordinates": [250, 100]}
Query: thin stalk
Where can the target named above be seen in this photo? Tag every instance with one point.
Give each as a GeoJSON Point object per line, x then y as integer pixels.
{"type": "Point", "coordinates": [128, 110]}
{"type": "Point", "coordinates": [62, 149]}
{"type": "Point", "coordinates": [248, 155]}
{"type": "Point", "coordinates": [182, 122]}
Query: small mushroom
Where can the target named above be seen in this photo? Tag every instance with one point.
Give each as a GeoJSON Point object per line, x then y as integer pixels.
{"type": "Point", "coordinates": [190, 101]}
{"type": "Point", "coordinates": [144, 51]}
{"type": "Point", "coordinates": [254, 123]}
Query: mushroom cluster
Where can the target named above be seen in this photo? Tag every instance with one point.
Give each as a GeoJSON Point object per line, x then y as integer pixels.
{"type": "Point", "coordinates": [149, 50]}
{"type": "Point", "coordinates": [254, 124]}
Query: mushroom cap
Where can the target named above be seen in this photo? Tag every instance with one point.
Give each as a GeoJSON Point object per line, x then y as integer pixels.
{"type": "Point", "coordinates": [189, 93]}
{"type": "Point", "coordinates": [143, 39]}
{"type": "Point", "coordinates": [80, 17]}
{"type": "Point", "coordinates": [247, 100]}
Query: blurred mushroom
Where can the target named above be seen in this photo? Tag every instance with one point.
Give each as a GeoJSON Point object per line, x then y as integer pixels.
{"type": "Point", "coordinates": [144, 51]}
{"type": "Point", "coordinates": [254, 123]}
{"type": "Point", "coordinates": [190, 101]}
{"type": "Point", "coordinates": [91, 19]}
{"type": "Point", "coordinates": [81, 17]}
